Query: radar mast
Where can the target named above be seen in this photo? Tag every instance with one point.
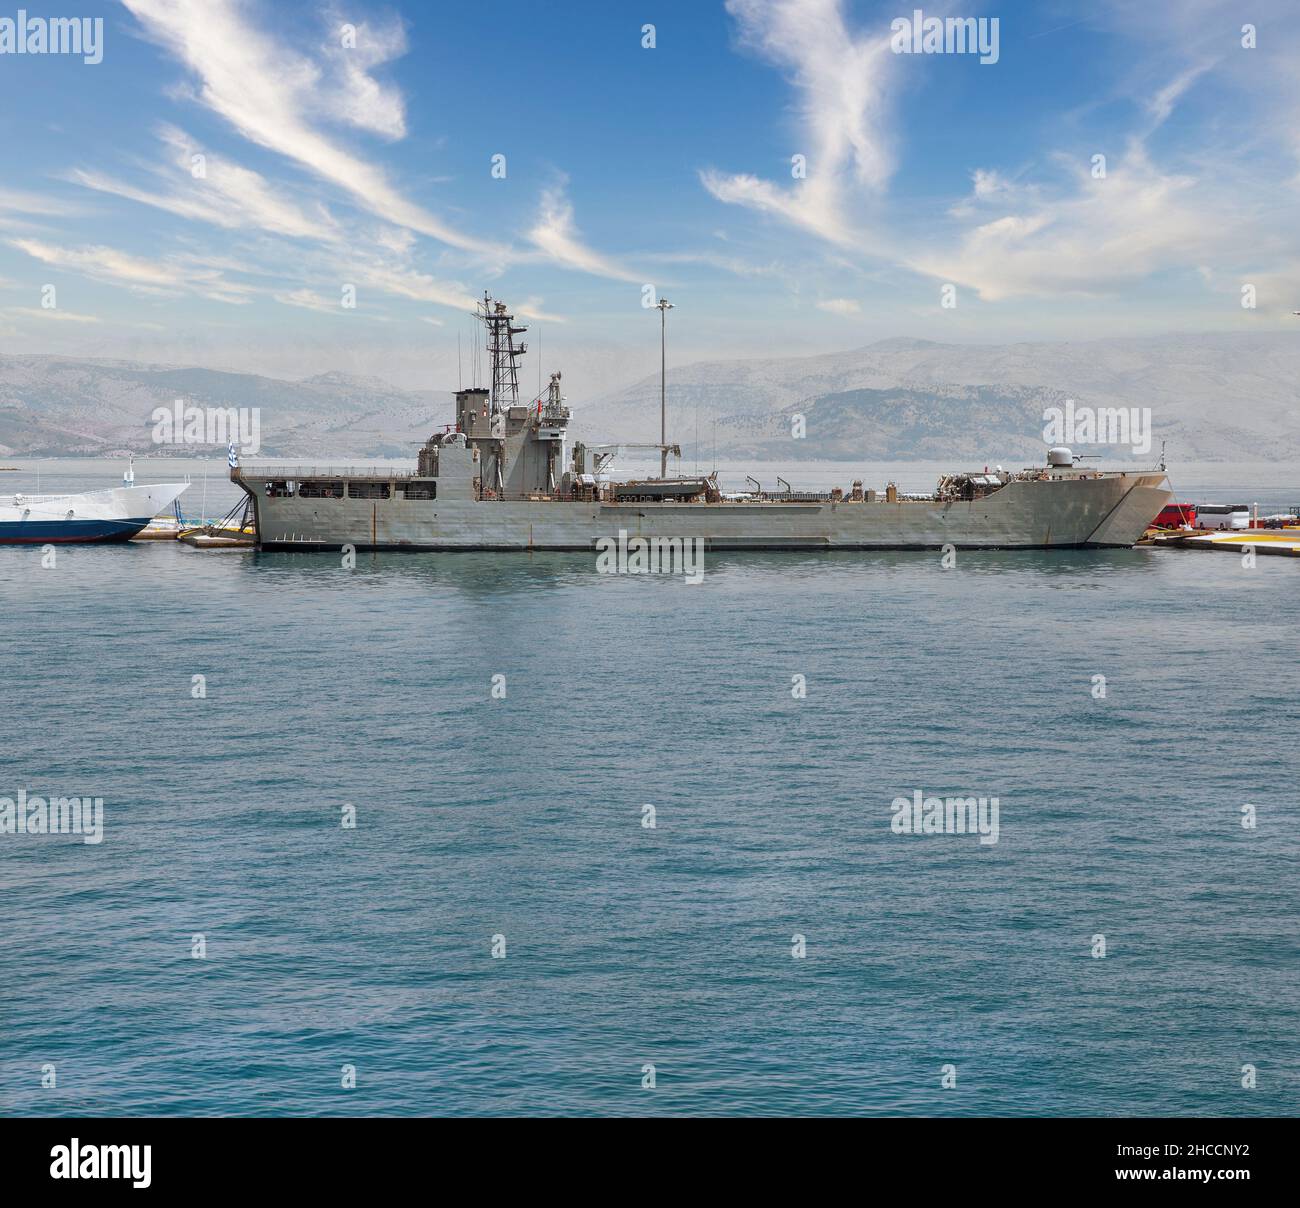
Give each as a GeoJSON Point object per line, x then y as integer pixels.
{"type": "Point", "coordinates": [504, 354]}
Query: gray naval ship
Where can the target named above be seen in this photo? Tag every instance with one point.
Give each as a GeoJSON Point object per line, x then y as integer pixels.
{"type": "Point", "coordinates": [500, 479]}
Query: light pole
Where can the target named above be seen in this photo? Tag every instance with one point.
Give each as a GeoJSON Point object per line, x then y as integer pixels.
{"type": "Point", "coordinates": [663, 306]}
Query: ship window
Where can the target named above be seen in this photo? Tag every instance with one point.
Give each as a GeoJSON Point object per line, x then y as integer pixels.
{"type": "Point", "coordinates": [424, 488]}
{"type": "Point", "coordinates": [320, 490]}
{"type": "Point", "coordinates": [368, 490]}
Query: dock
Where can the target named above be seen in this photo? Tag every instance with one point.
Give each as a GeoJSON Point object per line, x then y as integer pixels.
{"type": "Point", "coordinates": [213, 536]}
{"type": "Point", "coordinates": [1284, 542]}
{"type": "Point", "coordinates": [235, 530]}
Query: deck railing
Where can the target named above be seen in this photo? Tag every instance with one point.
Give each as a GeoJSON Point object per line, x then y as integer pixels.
{"type": "Point", "coordinates": [18, 499]}
{"type": "Point", "coordinates": [299, 473]}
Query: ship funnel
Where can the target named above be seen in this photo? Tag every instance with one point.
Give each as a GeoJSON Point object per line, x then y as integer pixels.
{"type": "Point", "coordinates": [1060, 456]}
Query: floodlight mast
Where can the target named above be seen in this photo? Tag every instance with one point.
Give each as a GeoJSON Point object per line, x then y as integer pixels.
{"type": "Point", "coordinates": [663, 306]}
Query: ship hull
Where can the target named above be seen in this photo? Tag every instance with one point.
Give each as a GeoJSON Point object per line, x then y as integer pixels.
{"type": "Point", "coordinates": [1060, 513]}
{"type": "Point", "coordinates": [53, 532]}
{"type": "Point", "coordinates": [116, 514]}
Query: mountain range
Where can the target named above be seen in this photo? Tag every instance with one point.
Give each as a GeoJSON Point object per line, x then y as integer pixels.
{"type": "Point", "coordinates": [57, 406]}
{"type": "Point", "coordinates": [1230, 397]}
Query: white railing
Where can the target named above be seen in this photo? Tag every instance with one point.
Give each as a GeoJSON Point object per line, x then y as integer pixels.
{"type": "Point", "coordinates": [298, 473]}
{"type": "Point", "coordinates": [21, 501]}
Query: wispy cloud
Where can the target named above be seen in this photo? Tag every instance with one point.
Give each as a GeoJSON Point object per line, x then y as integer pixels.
{"type": "Point", "coordinates": [840, 306]}
{"type": "Point", "coordinates": [531, 308]}
{"type": "Point", "coordinates": [39, 204]}
{"type": "Point", "coordinates": [104, 263]}
{"type": "Point", "coordinates": [1089, 234]}
{"type": "Point", "coordinates": [841, 81]}
{"type": "Point", "coordinates": [1092, 236]}
{"type": "Point", "coordinates": [53, 314]}
{"type": "Point", "coordinates": [284, 99]}
{"type": "Point", "coordinates": [411, 284]}
{"type": "Point", "coordinates": [278, 98]}
{"type": "Point", "coordinates": [1019, 233]}
{"type": "Point", "coordinates": [217, 191]}
{"type": "Point", "coordinates": [166, 277]}
{"type": "Point", "coordinates": [556, 235]}
{"type": "Point", "coordinates": [308, 300]}
{"type": "Point", "coordinates": [354, 50]}
{"type": "Point", "coordinates": [1161, 105]}
{"type": "Point", "coordinates": [32, 212]}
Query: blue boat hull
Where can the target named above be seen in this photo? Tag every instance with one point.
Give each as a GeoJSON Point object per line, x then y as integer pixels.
{"type": "Point", "coordinates": [51, 532]}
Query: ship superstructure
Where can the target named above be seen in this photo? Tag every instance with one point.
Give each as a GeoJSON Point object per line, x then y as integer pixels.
{"type": "Point", "coordinates": [501, 478]}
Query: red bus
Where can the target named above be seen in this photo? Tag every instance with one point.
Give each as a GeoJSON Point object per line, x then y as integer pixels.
{"type": "Point", "coordinates": [1175, 515]}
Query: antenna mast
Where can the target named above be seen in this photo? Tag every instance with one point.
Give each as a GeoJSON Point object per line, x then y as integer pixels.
{"type": "Point", "coordinates": [505, 355]}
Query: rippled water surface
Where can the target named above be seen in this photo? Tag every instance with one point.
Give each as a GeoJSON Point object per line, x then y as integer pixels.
{"type": "Point", "coordinates": [626, 946]}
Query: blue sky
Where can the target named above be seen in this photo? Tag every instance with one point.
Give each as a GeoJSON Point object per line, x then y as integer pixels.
{"type": "Point", "coordinates": [370, 165]}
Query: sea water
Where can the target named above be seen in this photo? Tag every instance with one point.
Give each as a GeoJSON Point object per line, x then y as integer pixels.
{"type": "Point", "coordinates": [508, 928]}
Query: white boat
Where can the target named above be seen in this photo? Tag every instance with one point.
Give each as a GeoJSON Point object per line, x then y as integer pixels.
{"type": "Point", "coordinates": [116, 514]}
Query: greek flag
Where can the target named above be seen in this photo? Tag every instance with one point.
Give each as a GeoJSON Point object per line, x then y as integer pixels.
{"type": "Point", "coordinates": [232, 456]}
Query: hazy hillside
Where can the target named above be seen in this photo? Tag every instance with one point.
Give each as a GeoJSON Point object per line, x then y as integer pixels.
{"type": "Point", "coordinates": [51, 406]}
{"type": "Point", "coordinates": [1212, 397]}
{"type": "Point", "coordinates": [931, 423]}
